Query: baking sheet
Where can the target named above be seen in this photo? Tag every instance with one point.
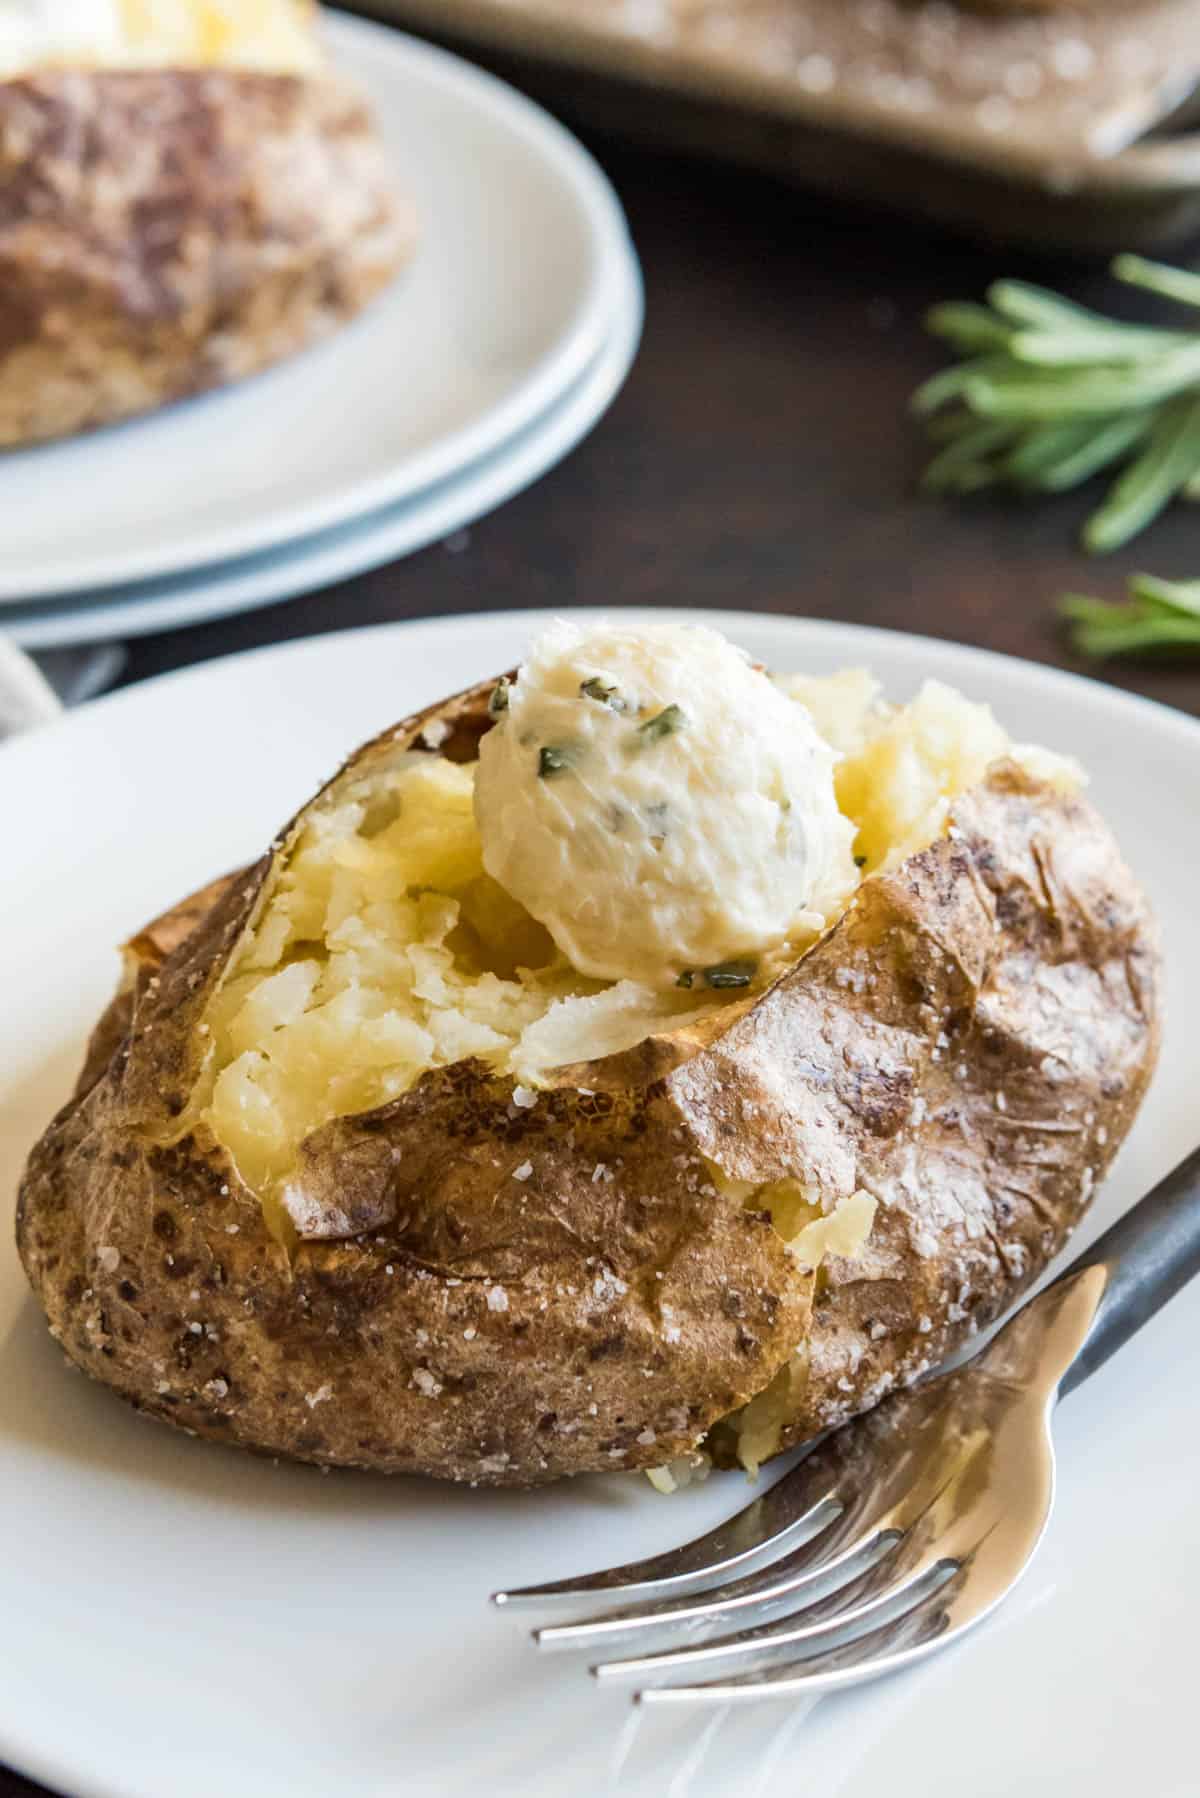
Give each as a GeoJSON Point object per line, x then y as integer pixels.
{"type": "Point", "coordinates": [1013, 124]}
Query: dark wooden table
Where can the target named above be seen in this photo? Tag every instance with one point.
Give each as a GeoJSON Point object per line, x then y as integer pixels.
{"type": "Point", "coordinates": [760, 457]}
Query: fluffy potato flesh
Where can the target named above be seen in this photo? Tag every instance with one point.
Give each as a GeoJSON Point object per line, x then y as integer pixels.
{"type": "Point", "coordinates": [275, 36]}
{"type": "Point", "coordinates": [384, 950]}
{"type": "Point", "coordinates": [902, 767]}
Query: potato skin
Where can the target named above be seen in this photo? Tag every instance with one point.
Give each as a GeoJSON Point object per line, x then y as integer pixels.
{"type": "Point", "coordinates": [970, 1044]}
{"type": "Point", "coordinates": [163, 232]}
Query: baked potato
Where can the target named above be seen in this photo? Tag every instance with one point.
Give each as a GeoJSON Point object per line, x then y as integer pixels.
{"type": "Point", "coordinates": [189, 195]}
{"type": "Point", "coordinates": [363, 1170]}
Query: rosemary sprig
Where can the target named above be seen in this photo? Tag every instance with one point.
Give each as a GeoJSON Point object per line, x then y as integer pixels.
{"type": "Point", "coordinates": [1159, 616]}
{"type": "Point", "coordinates": [1049, 393]}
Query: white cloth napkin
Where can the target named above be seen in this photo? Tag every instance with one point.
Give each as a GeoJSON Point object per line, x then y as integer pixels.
{"type": "Point", "coordinates": [33, 694]}
{"type": "Point", "coordinates": [26, 696]}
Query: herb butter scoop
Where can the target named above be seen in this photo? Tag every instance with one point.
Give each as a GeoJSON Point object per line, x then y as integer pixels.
{"type": "Point", "coordinates": [659, 805]}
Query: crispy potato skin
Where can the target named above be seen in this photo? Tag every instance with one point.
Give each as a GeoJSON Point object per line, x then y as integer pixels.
{"type": "Point", "coordinates": [970, 1044]}
{"type": "Point", "coordinates": [167, 231]}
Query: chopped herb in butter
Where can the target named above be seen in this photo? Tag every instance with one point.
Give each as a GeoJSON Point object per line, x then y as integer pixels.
{"type": "Point", "coordinates": [603, 692]}
{"type": "Point", "coordinates": [554, 759]}
{"type": "Point", "coordinates": [663, 724]}
{"type": "Point", "coordinates": [725, 974]}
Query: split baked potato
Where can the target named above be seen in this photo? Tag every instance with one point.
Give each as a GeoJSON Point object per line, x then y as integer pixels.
{"type": "Point", "coordinates": [362, 1169]}
{"type": "Point", "coordinates": [188, 194]}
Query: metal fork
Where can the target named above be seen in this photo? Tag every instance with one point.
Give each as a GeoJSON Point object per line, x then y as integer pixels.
{"type": "Point", "coordinates": [906, 1527]}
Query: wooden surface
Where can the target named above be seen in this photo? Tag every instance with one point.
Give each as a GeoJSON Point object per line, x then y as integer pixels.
{"type": "Point", "coordinates": [759, 458]}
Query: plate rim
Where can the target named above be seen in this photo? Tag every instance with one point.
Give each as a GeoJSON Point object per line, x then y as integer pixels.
{"type": "Point", "coordinates": [1138, 705]}
{"type": "Point", "coordinates": [596, 202]}
{"type": "Point", "coordinates": [543, 443]}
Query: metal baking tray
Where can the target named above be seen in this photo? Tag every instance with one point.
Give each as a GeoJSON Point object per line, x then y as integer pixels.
{"type": "Point", "coordinates": [1065, 129]}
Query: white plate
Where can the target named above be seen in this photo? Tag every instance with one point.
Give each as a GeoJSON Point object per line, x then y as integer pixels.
{"type": "Point", "coordinates": [180, 1619]}
{"type": "Point", "coordinates": [507, 300]}
{"type": "Point", "coordinates": [382, 537]}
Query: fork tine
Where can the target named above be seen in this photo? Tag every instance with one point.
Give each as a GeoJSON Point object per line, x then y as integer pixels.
{"type": "Point", "coordinates": [906, 1638]}
{"type": "Point", "coordinates": [814, 1626]}
{"type": "Point", "coordinates": [776, 1637]}
{"type": "Point", "coordinates": [839, 1462]}
{"type": "Point", "coordinates": [879, 1514]}
{"type": "Point", "coordinates": [767, 1521]}
{"type": "Point", "coordinates": [828, 1553]}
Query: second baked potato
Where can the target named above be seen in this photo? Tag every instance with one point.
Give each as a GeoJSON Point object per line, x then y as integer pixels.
{"type": "Point", "coordinates": [178, 209]}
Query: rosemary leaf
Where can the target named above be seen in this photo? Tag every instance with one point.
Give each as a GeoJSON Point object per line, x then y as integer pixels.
{"type": "Point", "coordinates": [730, 974]}
{"type": "Point", "coordinates": [1040, 451]}
{"type": "Point", "coordinates": [963, 457]}
{"type": "Point", "coordinates": [1160, 616]}
{"type": "Point", "coordinates": [554, 759]}
{"type": "Point", "coordinates": [725, 974]}
{"type": "Point", "coordinates": [1057, 393]}
{"type": "Point", "coordinates": [1024, 304]}
{"type": "Point", "coordinates": [1159, 277]}
{"type": "Point", "coordinates": [1103, 443]}
{"type": "Point", "coordinates": [1136, 637]}
{"type": "Point", "coordinates": [1035, 312]}
{"type": "Point", "coordinates": [969, 327]}
{"type": "Point", "coordinates": [663, 724]}
{"type": "Point", "coordinates": [948, 425]}
{"type": "Point", "coordinates": [1171, 457]}
{"type": "Point", "coordinates": [974, 478]}
{"type": "Point", "coordinates": [952, 383]}
{"type": "Point", "coordinates": [1170, 596]}
{"type": "Point", "coordinates": [1116, 344]}
{"type": "Point", "coordinates": [604, 692]}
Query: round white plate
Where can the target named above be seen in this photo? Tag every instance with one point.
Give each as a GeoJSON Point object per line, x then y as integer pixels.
{"type": "Point", "coordinates": [180, 1619]}
{"type": "Point", "coordinates": [382, 537]}
{"type": "Point", "coordinates": [508, 298]}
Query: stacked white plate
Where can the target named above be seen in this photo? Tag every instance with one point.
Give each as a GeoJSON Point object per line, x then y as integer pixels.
{"type": "Point", "coordinates": [493, 354]}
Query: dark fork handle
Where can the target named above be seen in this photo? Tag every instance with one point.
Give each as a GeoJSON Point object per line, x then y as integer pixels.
{"type": "Point", "coordinates": [1147, 1255]}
